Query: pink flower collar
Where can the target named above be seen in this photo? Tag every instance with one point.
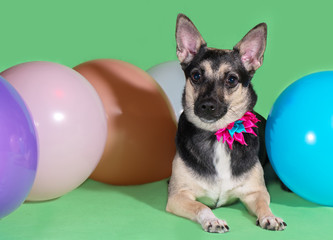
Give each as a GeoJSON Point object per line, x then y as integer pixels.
{"type": "Point", "coordinates": [234, 131]}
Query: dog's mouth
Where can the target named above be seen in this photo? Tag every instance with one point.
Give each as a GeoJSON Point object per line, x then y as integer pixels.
{"type": "Point", "coordinates": [208, 120]}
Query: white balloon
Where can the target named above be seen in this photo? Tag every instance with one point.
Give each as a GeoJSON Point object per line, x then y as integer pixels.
{"type": "Point", "coordinates": [70, 121]}
{"type": "Point", "coordinates": [171, 78]}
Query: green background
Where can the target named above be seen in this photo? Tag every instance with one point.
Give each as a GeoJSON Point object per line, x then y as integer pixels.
{"type": "Point", "coordinates": [300, 34]}
{"type": "Point", "coordinates": [300, 38]}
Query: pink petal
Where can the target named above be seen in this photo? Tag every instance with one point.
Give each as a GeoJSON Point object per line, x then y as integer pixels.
{"type": "Point", "coordinates": [240, 138]}
{"type": "Point", "coordinates": [250, 130]}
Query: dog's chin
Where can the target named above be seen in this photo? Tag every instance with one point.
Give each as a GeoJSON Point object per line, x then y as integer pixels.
{"type": "Point", "coordinates": [211, 125]}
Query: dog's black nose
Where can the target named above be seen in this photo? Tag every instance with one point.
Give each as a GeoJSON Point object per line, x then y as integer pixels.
{"type": "Point", "coordinates": [208, 107]}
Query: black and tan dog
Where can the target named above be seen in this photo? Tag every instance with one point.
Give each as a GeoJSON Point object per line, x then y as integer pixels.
{"type": "Point", "coordinates": [218, 91]}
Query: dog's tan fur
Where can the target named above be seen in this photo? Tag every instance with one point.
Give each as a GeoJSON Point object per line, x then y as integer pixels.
{"type": "Point", "coordinates": [186, 188]}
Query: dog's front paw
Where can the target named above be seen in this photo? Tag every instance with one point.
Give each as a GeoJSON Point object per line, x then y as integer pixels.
{"type": "Point", "coordinates": [272, 223]}
{"type": "Point", "coordinates": [215, 225]}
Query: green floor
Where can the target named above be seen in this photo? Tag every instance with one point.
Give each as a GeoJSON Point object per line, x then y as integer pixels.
{"type": "Point", "coordinates": [99, 211]}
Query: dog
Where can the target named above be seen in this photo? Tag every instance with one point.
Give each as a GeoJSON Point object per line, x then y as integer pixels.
{"type": "Point", "coordinates": [207, 173]}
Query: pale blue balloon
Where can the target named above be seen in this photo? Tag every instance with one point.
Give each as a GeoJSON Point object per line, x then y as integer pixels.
{"type": "Point", "coordinates": [171, 78]}
{"type": "Point", "coordinates": [299, 137]}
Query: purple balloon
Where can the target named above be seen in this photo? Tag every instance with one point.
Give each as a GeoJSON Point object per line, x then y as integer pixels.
{"type": "Point", "coordinates": [18, 149]}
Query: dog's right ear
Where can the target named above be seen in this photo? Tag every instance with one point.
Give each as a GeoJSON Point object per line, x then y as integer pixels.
{"type": "Point", "coordinates": [188, 38]}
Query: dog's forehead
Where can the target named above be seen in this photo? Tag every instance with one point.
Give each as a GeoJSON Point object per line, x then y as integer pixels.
{"type": "Point", "coordinates": [218, 61]}
{"type": "Point", "coordinates": [211, 69]}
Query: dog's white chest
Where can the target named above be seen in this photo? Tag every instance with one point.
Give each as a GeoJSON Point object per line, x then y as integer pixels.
{"type": "Point", "coordinates": [221, 190]}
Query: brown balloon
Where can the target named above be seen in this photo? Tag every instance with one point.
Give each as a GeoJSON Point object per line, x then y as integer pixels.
{"type": "Point", "coordinates": [141, 125]}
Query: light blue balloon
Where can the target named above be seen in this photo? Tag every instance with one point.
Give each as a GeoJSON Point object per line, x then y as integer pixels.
{"type": "Point", "coordinates": [171, 78]}
{"type": "Point", "coordinates": [299, 137]}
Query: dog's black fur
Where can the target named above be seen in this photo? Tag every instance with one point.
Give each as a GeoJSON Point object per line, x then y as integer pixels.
{"type": "Point", "coordinates": [195, 147]}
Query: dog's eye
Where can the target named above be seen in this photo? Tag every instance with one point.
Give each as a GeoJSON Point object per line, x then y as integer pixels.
{"type": "Point", "coordinates": [196, 76]}
{"type": "Point", "coordinates": [232, 80]}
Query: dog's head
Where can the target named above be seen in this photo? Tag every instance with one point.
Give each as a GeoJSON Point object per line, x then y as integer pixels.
{"type": "Point", "coordinates": [218, 87]}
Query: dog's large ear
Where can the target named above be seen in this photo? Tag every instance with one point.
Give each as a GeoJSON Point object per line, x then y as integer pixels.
{"type": "Point", "coordinates": [189, 40]}
{"type": "Point", "coordinates": [252, 47]}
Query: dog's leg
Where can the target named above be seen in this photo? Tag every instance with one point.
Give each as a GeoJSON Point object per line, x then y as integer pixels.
{"type": "Point", "coordinates": [257, 202]}
{"type": "Point", "coordinates": [184, 204]}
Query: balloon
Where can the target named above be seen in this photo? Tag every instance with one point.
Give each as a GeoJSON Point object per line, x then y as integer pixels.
{"type": "Point", "coordinates": [141, 129]}
{"type": "Point", "coordinates": [70, 122]}
{"type": "Point", "coordinates": [299, 137]}
{"type": "Point", "coordinates": [18, 150]}
{"type": "Point", "coordinates": [171, 78]}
